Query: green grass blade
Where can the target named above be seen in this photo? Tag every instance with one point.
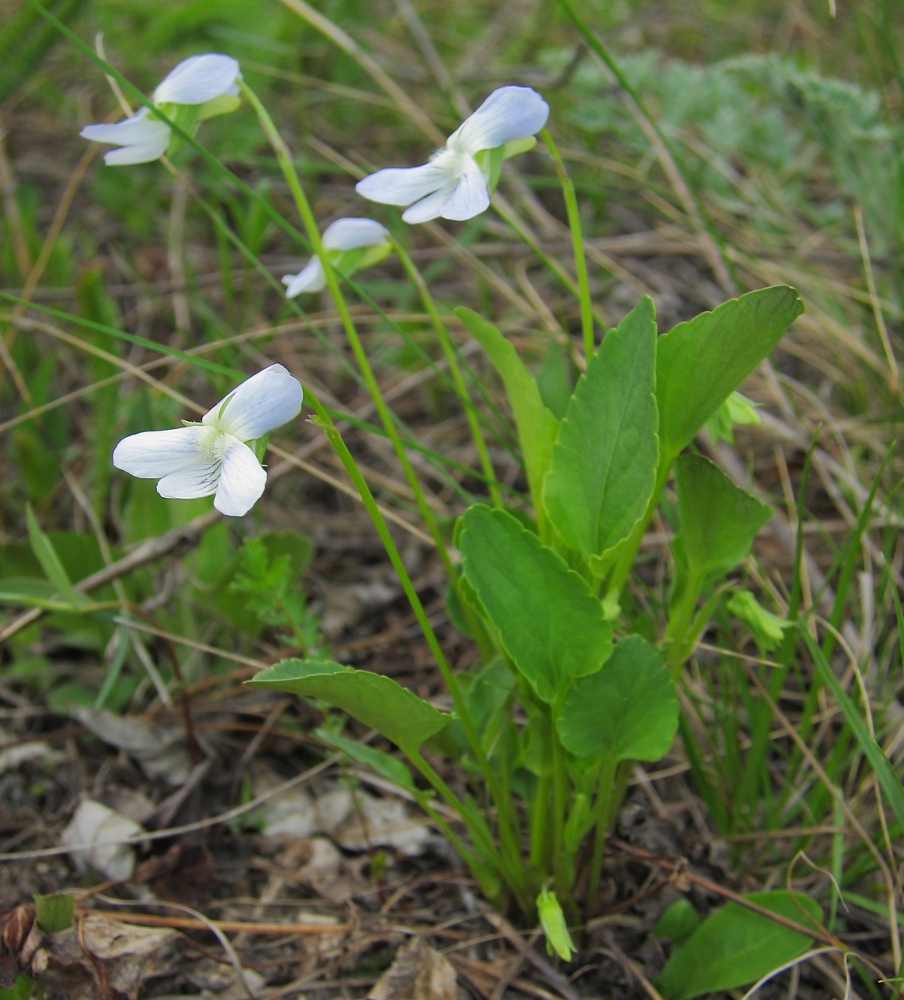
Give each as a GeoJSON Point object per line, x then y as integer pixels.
{"type": "Point", "coordinates": [880, 764]}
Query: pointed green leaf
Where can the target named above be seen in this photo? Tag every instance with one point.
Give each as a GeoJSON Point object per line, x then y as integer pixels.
{"type": "Point", "coordinates": [385, 765]}
{"type": "Point", "coordinates": [699, 363]}
{"type": "Point", "coordinates": [375, 700]}
{"type": "Point", "coordinates": [54, 913]}
{"type": "Point", "coordinates": [537, 427]}
{"type": "Point", "coordinates": [550, 624]}
{"type": "Point", "coordinates": [719, 520]}
{"type": "Point", "coordinates": [50, 562]}
{"type": "Point", "coordinates": [626, 711]}
{"type": "Point", "coordinates": [604, 460]}
{"type": "Point", "coordinates": [735, 946]}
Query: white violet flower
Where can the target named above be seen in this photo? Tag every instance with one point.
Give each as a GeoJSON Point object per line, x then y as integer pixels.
{"type": "Point", "coordinates": [351, 244]}
{"type": "Point", "coordinates": [199, 88]}
{"type": "Point", "coordinates": [213, 456]}
{"type": "Point", "coordinates": [457, 182]}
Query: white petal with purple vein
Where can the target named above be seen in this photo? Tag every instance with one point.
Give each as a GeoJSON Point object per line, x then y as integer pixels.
{"type": "Point", "coordinates": [200, 480]}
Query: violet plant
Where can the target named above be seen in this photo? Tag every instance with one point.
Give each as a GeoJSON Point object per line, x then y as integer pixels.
{"type": "Point", "coordinates": [545, 731]}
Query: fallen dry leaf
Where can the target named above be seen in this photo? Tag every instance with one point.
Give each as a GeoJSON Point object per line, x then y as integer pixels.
{"type": "Point", "coordinates": [123, 955]}
{"type": "Point", "coordinates": [317, 862]}
{"type": "Point", "coordinates": [34, 750]}
{"type": "Point", "coordinates": [418, 972]}
{"type": "Point", "coordinates": [97, 828]}
{"type": "Point", "coordinates": [387, 822]}
{"type": "Point", "coordinates": [161, 753]}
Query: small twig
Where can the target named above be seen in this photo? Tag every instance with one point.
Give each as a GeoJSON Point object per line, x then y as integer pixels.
{"type": "Point", "coordinates": [227, 926]}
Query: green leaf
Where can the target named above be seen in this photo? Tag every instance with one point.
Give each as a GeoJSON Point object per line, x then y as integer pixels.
{"type": "Point", "coordinates": [604, 461]}
{"type": "Point", "coordinates": [677, 923]}
{"type": "Point", "coordinates": [885, 773]}
{"type": "Point", "coordinates": [537, 427]}
{"type": "Point", "coordinates": [626, 711]}
{"type": "Point", "coordinates": [550, 624]}
{"type": "Point", "coordinates": [50, 562]}
{"type": "Point", "coordinates": [700, 362]}
{"type": "Point", "coordinates": [54, 913]}
{"type": "Point", "coordinates": [735, 946]}
{"type": "Point", "coordinates": [385, 765]}
{"type": "Point", "coordinates": [719, 520]}
{"type": "Point", "coordinates": [375, 700]}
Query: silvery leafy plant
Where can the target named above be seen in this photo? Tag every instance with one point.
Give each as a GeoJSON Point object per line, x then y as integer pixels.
{"type": "Point", "coordinates": [546, 729]}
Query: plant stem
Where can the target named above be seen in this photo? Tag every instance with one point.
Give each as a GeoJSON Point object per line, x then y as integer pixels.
{"type": "Point", "coordinates": [603, 808]}
{"type": "Point", "coordinates": [559, 783]}
{"type": "Point", "coordinates": [678, 626]}
{"type": "Point", "coordinates": [449, 352]}
{"type": "Point", "coordinates": [580, 261]}
{"type": "Point", "coordinates": [539, 824]}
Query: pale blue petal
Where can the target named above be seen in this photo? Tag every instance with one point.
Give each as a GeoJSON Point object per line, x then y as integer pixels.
{"type": "Point", "coordinates": [470, 198]}
{"type": "Point", "coordinates": [403, 185]}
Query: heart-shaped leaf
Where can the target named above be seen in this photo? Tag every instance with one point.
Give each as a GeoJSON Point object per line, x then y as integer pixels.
{"type": "Point", "coordinates": [550, 624]}
{"type": "Point", "coordinates": [537, 427]}
{"type": "Point", "coordinates": [719, 520]}
{"type": "Point", "coordinates": [605, 457]}
{"type": "Point", "coordinates": [375, 700]}
{"type": "Point", "coordinates": [699, 363]}
{"type": "Point", "coordinates": [735, 946]}
{"type": "Point", "coordinates": [626, 711]}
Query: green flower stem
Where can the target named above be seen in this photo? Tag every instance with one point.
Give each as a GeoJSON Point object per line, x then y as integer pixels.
{"type": "Point", "coordinates": [603, 810]}
{"type": "Point", "coordinates": [563, 276]}
{"type": "Point", "coordinates": [335, 438]}
{"type": "Point", "coordinates": [283, 155]}
{"type": "Point", "coordinates": [510, 868]}
{"type": "Point", "coordinates": [504, 810]}
{"type": "Point", "coordinates": [451, 800]}
{"type": "Point", "coordinates": [577, 239]}
{"type": "Point", "coordinates": [449, 352]}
